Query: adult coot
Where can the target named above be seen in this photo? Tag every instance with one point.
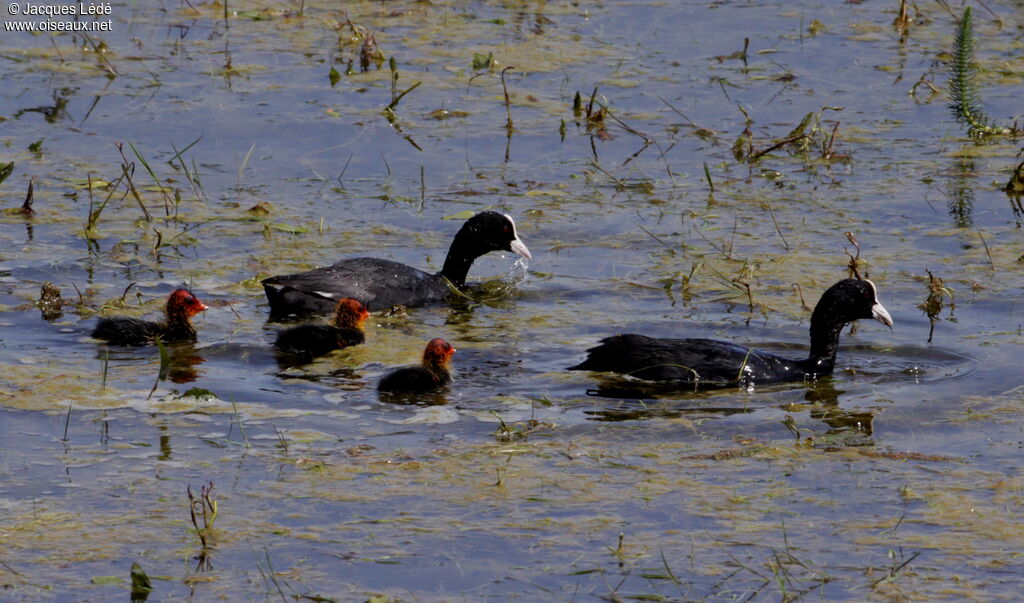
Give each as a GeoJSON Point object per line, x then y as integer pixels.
{"type": "Point", "coordinates": [431, 375]}
{"type": "Point", "coordinates": [709, 363]}
{"type": "Point", "coordinates": [310, 341]}
{"type": "Point", "coordinates": [176, 325]}
{"type": "Point", "coordinates": [383, 283]}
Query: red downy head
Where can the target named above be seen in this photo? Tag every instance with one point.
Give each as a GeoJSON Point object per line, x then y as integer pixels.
{"type": "Point", "coordinates": [182, 303]}
{"type": "Point", "coordinates": [438, 353]}
{"type": "Point", "coordinates": [350, 313]}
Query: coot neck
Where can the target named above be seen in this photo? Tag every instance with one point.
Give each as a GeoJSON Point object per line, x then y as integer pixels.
{"type": "Point", "coordinates": [824, 345]}
{"type": "Point", "coordinates": [460, 257]}
{"type": "Point", "coordinates": [439, 374]}
{"type": "Point", "coordinates": [178, 325]}
{"type": "Point", "coordinates": [179, 330]}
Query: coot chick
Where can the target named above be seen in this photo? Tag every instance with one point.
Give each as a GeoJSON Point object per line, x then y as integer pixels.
{"type": "Point", "coordinates": [431, 375]}
{"type": "Point", "coordinates": [710, 363]}
{"type": "Point", "coordinates": [176, 325]}
{"type": "Point", "coordinates": [310, 341]}
{"type": "Point", "coordinates": [384, 283]}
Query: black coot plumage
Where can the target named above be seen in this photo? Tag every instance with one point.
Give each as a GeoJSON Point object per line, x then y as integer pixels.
{"type": "Point", "coordinates": [176, 325]}
{"type": "Point", "coordinates": [381, 283]}
{"type": "Point", "coordinates": [709, 363]}
{"type": "Point", "coordinates": [430, 375]}
{"type": "Point", "coordinates": [311, 341]}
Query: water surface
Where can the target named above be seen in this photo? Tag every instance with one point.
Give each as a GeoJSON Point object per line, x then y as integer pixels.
{"type": "Point", "coordinates": [897, 477]}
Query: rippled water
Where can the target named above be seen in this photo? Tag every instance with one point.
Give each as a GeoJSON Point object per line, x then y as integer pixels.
{"type": "Point", "coordinates": [896, 478]}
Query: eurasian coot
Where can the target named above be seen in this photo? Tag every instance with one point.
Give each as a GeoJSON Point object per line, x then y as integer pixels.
{"type": "Point", "coordinates": [384, 283]}
{"type": "Point", "coordinates": [311, 341]}
{"type": "Point", "coordinates": [176, 325]}
{"type": "Point", "coordinates": [432, 374]}
{"type": "Point", "coordinates": [709, 363]}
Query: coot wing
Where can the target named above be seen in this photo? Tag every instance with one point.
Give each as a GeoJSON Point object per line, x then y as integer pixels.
{"type": "Point", "coordinates": [377, 283]}
{"type": "Point", "coordinates": [413, 379]}
{"type": "Point", "coordinates": [126, 331]}
{"type": "Point", "coordinates": [308, 340]}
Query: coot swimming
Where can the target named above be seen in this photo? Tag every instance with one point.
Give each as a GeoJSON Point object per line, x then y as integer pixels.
{"type": "Point", "coordinates": [710, 363]}
{"type": "Point", "coordinates": [310, 341]}
{"type": "Point", "coordinates": [431, 375]}
{"type": "Point", "coordinates": [176, 325]}
{"type": "Point", "coordinates": [384, 283]}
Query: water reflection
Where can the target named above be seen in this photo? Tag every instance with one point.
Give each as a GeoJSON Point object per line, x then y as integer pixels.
{"type": "Point", "coordinates": [165, 442]}
{"type": "Point", "coordinates": [630, 410]}
{"type": "Point", "coordinates": [183, 362]}
{"type": "Point", "coordinates": [961, 193]}
{"type": "Point", "coordinates": [55, 112]}
{"type": "Point", "coordinates": [636, 400]}
{"type": "Point", "coordinates": [1015, 191]}
{"type": "Point", "coordinates": [179, 366]}
{"type": "Point", "coordinates": [846, 427]}
{"type": "Point", "coordinates": [435, 398]}
{"type": "Point", "coordinates": [342, 378]}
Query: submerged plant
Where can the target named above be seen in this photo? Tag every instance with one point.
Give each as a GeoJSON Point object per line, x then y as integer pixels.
{"type": "Point", "coordinates": [964, 99]}
{"type": "Point", "coordinates": [5, 170]}
{"type": "Point", "coordinates": [902, 20]}
{"type": "Point", "coordinates": [1015, 191]}
{"type": "Point", "coordinates": [141, 585]}
{"type": "Point", "coordinates": [933, 304]}
{"type": "Point", "coordinates": [202, 510]}
{"type": "Point", "coordinates": [1015, 186]}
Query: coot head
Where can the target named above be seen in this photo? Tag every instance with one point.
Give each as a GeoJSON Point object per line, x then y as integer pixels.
{"type": "Point", "coordinates": [438, 353]}
{"type": "Point", "coordinates": [849, 300]}
{"type": "Point", "coordinates": [181, 302]}
{"type": "Point", "coordinates": [490, 231]}
{"type": "Point", "coordinates": [350, 313]}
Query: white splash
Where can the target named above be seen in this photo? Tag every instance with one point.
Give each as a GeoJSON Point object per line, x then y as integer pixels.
{"type": "Point", "coordinates": [517, 273]}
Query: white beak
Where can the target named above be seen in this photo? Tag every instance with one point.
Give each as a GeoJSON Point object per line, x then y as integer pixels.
{"type": "Point", "coordinates": [880, 314]}
{"type": "Point", "coordinates": [520, 249]}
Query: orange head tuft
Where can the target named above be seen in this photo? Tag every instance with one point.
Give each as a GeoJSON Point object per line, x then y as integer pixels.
{"type": "Point", "coordinates": [182, 302]}
{"type": "Point", "coordinates": [350, 312]}
{"type": "Point", "coordinates": [438, 353]}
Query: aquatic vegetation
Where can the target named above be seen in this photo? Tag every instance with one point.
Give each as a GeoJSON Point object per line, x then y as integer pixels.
{"type": "Point", "coordinates": [5, 170]}
{"type": "Point", "coordinates": [933, 304]}
{"type": "Point", "coordinates": [141, 585]}
{"type": "Point", "coordinates": [397, 96]}
{"type": "Point", "coordinates": [203, 512]}
{"type": "Point", "coordinates": [964, 88]}
{"type": "Point", "coordinates": [808, 134]}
